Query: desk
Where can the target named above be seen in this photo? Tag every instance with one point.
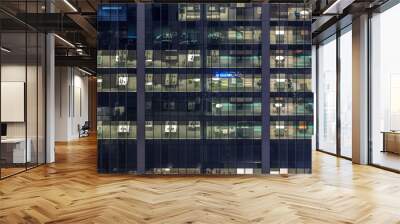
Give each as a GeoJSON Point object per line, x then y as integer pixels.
{"type": "Point", "coordinates": [391, 141]}
{"type": "Point", "coordinates": [15, 148]}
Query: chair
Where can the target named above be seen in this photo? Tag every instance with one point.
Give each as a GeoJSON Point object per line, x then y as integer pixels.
{"type": "Point", "coordinates": [84, 130]}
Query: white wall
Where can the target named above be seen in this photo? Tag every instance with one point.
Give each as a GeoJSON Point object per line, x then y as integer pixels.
{"type": "Point", "coordinates": [80, 109]}
{"type": "Point", "coordinates": [17, 73]}
{"type": "Point", "coordinates": [10, 73]}
{"type": "Point", "coordinates": [62, 82]}
{"type": "Point", "coordinates": [71, 102]}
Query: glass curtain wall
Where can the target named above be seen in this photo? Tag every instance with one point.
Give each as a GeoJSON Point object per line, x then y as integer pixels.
{"type": "Point", "coordinates": [291, 97]}
{"type": "Point", "coordinates": [203, 83]}
{"type": "Point", "coordinates": [116, 89]}
{"type": "Point", "coordinates": [202, 88]}
{"type": "Point", "coordinates": [334, 84]}
{"type": "Point", "coordinates": [327, 96]}
{"type": "Point", "coordinates": [385, 89]}
{"type": "Point", "coordinates": [22, 79]}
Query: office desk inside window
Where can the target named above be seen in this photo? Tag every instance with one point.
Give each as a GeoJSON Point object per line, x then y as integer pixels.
{"type": "Point", "coordinates": [13, 150]}
{"type": "Point", "coordinates": [391, 141]}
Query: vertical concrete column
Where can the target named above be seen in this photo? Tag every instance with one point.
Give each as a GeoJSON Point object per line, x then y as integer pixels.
{"type": "Point", "coordinates": [50, 91]}
{"type": "Point", "coordinates": [314, 90]}
{"type": "Point", "coordinates": [140, 91]}
{"type": "Point", "coordinates": [360, 90]}
{"type": "Point", "coordinates": [50, 98]}
{"type": "Point", "coordinates": [265, 83]}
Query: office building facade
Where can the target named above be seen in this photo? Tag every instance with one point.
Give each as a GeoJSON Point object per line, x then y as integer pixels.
{"type": "Point", "coordinates": [204, 88]}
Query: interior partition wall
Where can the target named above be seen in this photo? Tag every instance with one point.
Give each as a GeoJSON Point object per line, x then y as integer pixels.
{"type": "Point", "coordinates": [22, 77]}
{"type": "Point", "coordinates": [204, 88]}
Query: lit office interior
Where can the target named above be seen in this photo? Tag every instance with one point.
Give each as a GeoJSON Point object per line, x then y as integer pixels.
{"type": "Point", "coordinates": [22, 79]}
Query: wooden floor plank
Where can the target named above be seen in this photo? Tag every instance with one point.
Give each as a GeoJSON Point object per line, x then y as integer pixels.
{"type": "Point", "coordinates": [71, 191]}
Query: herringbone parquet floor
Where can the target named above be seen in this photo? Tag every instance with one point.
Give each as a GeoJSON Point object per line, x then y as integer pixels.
{"type": "Point", "coordinates": [70, 191]}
